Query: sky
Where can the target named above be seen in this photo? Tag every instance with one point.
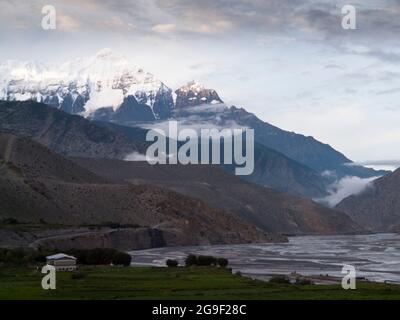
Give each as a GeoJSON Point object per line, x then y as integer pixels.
{"type": "Point", "coordinates": [288, 61]}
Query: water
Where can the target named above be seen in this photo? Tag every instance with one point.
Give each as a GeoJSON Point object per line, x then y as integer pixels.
{"type": "Point", "coordinates": [375, 257]}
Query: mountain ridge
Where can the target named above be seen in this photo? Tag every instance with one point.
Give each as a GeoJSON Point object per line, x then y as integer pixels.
{"type": "Point", "coordinates": [41, 187]}
{"type": "Point", "coordinates": [108, 87]}
{"type": "Point", "coordinates": [86, 85]}
{"type": "Point", "coordinates": [273, 211]}
{"type": "Point", "coordinates": [76, 136]}
{"type": "Point", "coordinates": [377, 207]}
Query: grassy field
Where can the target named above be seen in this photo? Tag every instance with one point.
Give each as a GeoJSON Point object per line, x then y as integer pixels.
{"type": "Point", "coordinates": [172, 283]}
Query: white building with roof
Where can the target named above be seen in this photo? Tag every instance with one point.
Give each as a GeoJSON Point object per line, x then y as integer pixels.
{"type": "Point", "coordinates": [62, 262]}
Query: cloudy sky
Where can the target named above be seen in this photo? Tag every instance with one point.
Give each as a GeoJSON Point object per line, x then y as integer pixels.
{"type": "Point", "coordinates": [288, 61]}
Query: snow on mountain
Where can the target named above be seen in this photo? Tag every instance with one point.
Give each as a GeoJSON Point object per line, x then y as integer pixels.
{"type": "Point", "coordinates": [194, 94]}
{"type": "Point", "coordinates": [106, 86]}
{"type": "Point", "coordinates": [99, 84]}
{"type": "Point", "coordinates": [192, 86]}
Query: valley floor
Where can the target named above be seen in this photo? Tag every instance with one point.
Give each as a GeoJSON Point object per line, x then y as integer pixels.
{"type": "Point", "coordinates": [194, 283]}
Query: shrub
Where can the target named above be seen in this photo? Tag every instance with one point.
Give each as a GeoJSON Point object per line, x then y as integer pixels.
{"type": "Point", "coordinates": [206, 261]}
{"type": "Point", "coordinates": [80, 255]}
{"type": "Point", "coordinates": [222, 262]}
{"type": "Point", "coordinates": [101, 256]}
{"type": "Point", "coordinates": [41, 255]}
{"type": "Point", "coordinates": [172, 263]}
{"type": "Point", "coordinates": [303, 281]}
{"type": "Point", "coordinates": [191, 260]}
{"type": "Point", "coordinates": [122, 259]}
{"type": "Point", "coordinates": [280, 280]}
{"type": "Point", "coordinates": [19, 256]}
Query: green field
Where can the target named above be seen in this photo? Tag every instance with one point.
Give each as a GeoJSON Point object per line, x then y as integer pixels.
{"type": "Point", "coordinates": [172, 283]}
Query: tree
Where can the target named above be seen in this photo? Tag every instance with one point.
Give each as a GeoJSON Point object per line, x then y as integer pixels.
{"type": "Point", "coordinates": [280, 280]}
{"type": "Point", "coordinates": [222, 262]}
{"type": "Point", "coordinates": [191, 260]}
{"type": "Point", "coordinates": [102, 256]}
{"type": "Point", "coordinates": [206, 261]}
{"type": "Point", "coordinates": [122, 258]}
{"type": "Point", "coordinates": [172, 263]}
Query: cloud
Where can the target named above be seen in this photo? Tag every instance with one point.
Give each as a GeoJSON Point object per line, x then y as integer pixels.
{"type": "Point", "coordinates": [390, 165]}
{"type": "Point", "coordinates": [67, 23]}
{"type": "Point", "coordinates": [389, 91]}
{"type": "Point", "coordinates": [345, 187]}
{"type": "Point", "coordinates": [385, 56]}
{"type": "Point", "coordinates": [300, 19]}
{"type": "Point", "coordinates": [164, 28]}
{"type": "Point", "coordinates": [285, 60]}
{"type": "Point", "coordinates": [118, 23]}
{"type": "Point", "coordinates": [135, 156]}
{"type": "Point", "coordinates": [214, 27]}
{"type": "Point", "coordinates": [333, 66]}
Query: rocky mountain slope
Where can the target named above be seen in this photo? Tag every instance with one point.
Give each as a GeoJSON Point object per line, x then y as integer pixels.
{"type": "Point", "coordinates": [378, 206]}
{"type": "Point", "coordinates": [271, 168]}
{"type": "Point", "coordinates": [63, 133]}
{"type": "Point", "coordinates": [32, 119]}
{"type": "Point", "coordinates": [322, 158]}
{"type": "Point", "coordinates": [270, 210]}
{"type": "Point", "coordinates": [75, 136]}
{"type": "Point", "coordinates": [106, 85]}
{"type": "Point", "coordinates": [274, 170]}
{"type": "Point", "coordinates": [41, 187]}
{"type": "Point", "coordinates": [195, 94]}
{"type": "Point", "coordinates": [109, 87]}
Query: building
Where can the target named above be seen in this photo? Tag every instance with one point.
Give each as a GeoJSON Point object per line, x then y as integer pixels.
{"type": "Point", "coordinates": [62, 262]}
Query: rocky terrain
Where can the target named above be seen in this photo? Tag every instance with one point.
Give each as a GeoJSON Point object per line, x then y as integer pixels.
{"type": "Point", "coordinates": [96, 87]}
{"type": "Point", "coordinates": [195, 94]}
{"type": "Point", "coordinates": [66, 134]}
{"type": "Point", "coordinates": [378, 207]}
{"type": "Point", "coordinates": [319, 157]}
{"type": "Point", "coordinates": [101, 108]}
{"type": "Point", "coordinates": [270, 210]}
{"type": "Point", "coordinates": [274, 170]}
{"type": "Point", "coordinates": [78, 137]}
{"type": "Point", "coordinates": [110, 88]}
{"type": "Point", "coordinates": [38, 186]}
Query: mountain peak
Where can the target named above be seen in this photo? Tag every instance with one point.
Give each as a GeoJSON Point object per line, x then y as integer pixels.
{"type": "Point", "coordinates": [193, 86]}
{"type": "Point", "coordinates": [194, 94]}
{"type": "Point", "coordinates": [104, 53]}
{"type": "Point", "coordinates": [84, 86]}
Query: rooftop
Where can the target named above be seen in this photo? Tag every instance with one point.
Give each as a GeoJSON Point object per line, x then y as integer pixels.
{"type": "Point", "coordinates": [60, 256]}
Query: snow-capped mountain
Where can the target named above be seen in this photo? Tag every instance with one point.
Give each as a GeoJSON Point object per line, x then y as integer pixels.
{"type": "Point", "coordinates": [106, 86]}
{"type": "Point", "coordinates": [194, 94]}
{"type": "Point", "coordinates": [109, 87]}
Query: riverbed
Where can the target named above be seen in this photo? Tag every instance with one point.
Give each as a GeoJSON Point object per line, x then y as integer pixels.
{"type": "Point", "coordinates": [376, 257]}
